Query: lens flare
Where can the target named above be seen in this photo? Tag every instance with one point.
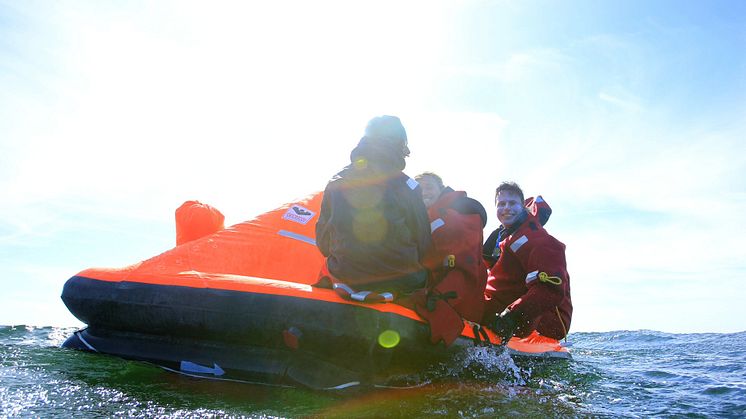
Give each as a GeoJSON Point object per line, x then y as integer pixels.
{"type": "Point", "coordinates": [361, 164]}
{"type": "Point", "coordinates": [388, 339]}
{"type": "Point", "coordinates": [370, 226]}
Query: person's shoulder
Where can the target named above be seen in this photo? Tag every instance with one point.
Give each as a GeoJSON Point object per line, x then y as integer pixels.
{"type": "Point", "coordinates": [535, 235]}
{"type": "Point", "coordinates": [467, 205]}
{"type": "Point", "coordinates": [334, 182]}
{"type": "Point", "coordinates": [403, 180]}
{"type": "Point", "coordinates": [342, 176]}
{"type": "Point", "coordinates": [550, 240]}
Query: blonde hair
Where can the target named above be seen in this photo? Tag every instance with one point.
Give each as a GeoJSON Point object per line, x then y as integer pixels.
{"type": "Point", "coordinates": [437, 178]}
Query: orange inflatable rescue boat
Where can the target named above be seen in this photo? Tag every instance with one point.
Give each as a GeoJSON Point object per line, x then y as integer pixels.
{"type": "Point", "coordinates": [238, 304]}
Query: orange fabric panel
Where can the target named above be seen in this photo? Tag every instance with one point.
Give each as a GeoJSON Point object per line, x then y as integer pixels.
{"type": "Point", "coordinates": [279, 244]}
{"type": "Point", "coordinates": [535, 343]}
{"type": "Point", "coordinates": [195, 220]}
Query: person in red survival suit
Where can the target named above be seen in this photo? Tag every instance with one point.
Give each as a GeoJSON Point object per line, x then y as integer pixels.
{"type": "Point", "coordinates": [458, 276]}
{"type": "Point", "coordinates": [528, 284]}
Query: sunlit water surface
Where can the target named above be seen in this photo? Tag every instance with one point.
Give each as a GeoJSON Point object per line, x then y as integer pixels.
{"type": "Point", "coordinates": [613, 374]}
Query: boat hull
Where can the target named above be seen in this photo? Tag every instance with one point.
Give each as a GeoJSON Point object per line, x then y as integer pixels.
{"type": "Point", "coordinates": [251, 336]}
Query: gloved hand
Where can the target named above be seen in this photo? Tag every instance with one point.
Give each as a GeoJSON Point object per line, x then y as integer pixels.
{"type": "Point", "coordinates": [505, 324]}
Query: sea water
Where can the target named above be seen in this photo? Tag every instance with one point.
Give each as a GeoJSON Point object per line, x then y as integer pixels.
{"type": "Point", "coordinates": [613, 374]}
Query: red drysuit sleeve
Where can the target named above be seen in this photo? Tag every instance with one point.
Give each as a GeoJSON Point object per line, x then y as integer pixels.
{"type": "Point", "coordinates": [542, 254]}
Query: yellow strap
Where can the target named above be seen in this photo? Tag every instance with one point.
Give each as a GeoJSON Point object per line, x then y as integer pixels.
{"type": "Point", "coordinates": [543, 277]}
{"type": "Point", "coordinates": [564, 329]}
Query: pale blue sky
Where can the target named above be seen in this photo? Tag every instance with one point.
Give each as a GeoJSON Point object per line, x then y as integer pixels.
{"type": "Point", "coordinates": [628, 117]}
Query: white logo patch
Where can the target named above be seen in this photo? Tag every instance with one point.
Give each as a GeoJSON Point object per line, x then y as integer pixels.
{"type": "Point", "coordinates": [518, 243]}
{"type": "Point", "coordinates": [412, 183]}
{"type": "Point", "coordinates": [436, 224]}
{"type": "Point", "coordinates": [298, 214]}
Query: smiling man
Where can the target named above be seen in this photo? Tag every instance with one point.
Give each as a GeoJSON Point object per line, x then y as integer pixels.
{"type": "Point", "coordinates": [528, 284]}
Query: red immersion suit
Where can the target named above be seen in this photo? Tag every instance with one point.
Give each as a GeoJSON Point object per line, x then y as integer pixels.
{"type": "Point", "coordinates": [530, 276]}
{"type": "Point", "coordinates": [456, 288]}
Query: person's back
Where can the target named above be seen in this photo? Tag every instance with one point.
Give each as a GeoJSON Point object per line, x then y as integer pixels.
{"type": "Point", "coordinates": [373, 226]}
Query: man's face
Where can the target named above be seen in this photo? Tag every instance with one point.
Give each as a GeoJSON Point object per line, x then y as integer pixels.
{"type": "Point", "coordinates": [509, 207]}
{"type": "Point", "coordinates": [430, 190]}
{"type": "Point", "coordinates": [405, 149]}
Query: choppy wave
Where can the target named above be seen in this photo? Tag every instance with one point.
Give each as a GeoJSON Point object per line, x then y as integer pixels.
{"type": "Point", "coordinates": [613, 374]}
